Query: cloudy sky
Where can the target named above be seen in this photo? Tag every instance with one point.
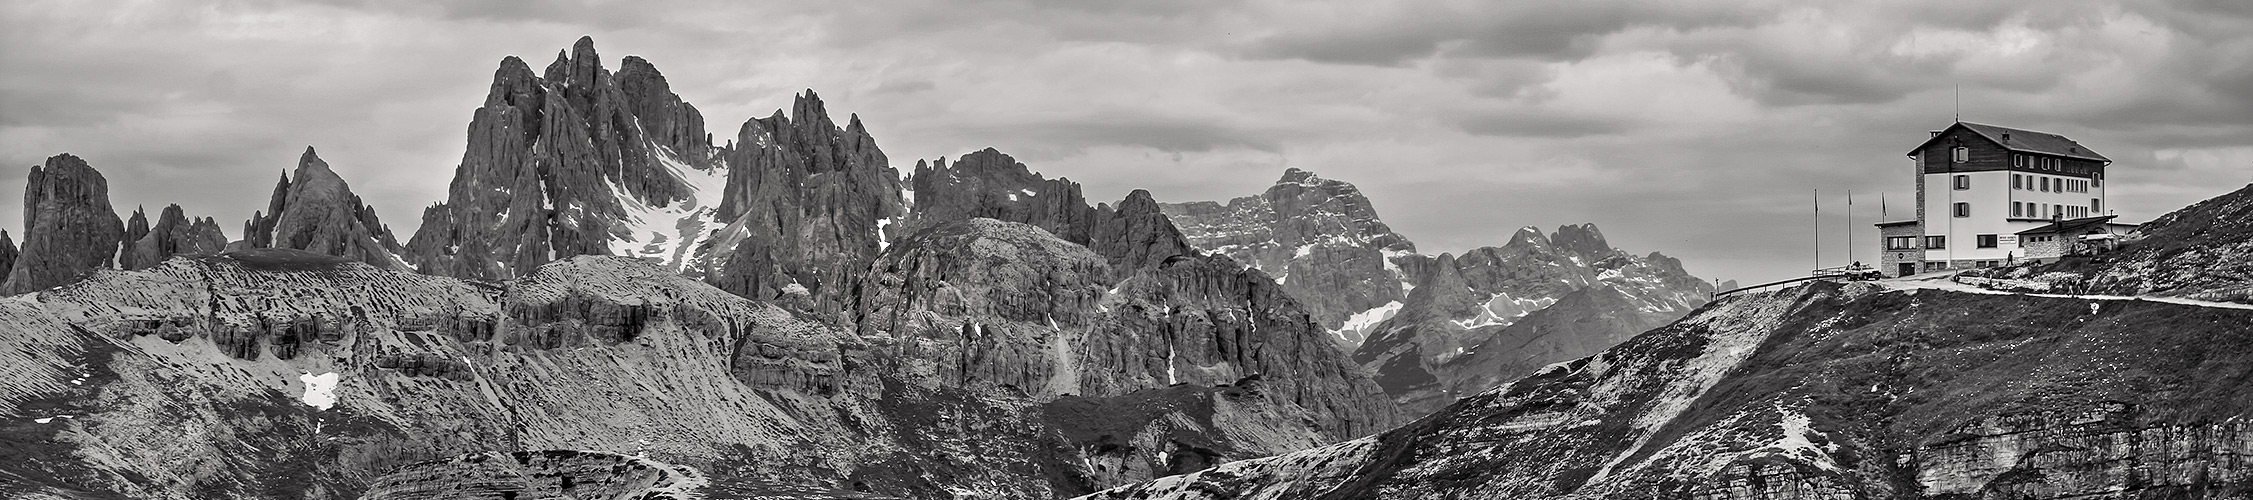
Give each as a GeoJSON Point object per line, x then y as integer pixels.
{"type": "Point", "coordinates": [1696, 128]}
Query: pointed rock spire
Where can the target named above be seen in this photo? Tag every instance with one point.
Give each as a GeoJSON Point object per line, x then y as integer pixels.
{"type": "Point", "coordinates": [69, 229]}
{"type": "Point", "coordinates": [317, 212]}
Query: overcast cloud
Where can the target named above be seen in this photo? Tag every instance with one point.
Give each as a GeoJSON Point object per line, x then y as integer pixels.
{"type": "Point", "coordinates": [1694, 128]}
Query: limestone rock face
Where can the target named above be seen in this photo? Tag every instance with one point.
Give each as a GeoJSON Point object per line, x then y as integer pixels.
{"type": "Point", "coordinates": [807, 200]}
{"type": "Point", "coordinates": [1458, 333]}
{"type": "Point", "coordinates": [69, 229]}
{"type": "Point", "coordinates": [562, 164]}
{"type": "Point", "coordinates": [1321, 237]}
{"type": "Point", "coordinates": [1827, 391]}
{"type": "Point", "coordinates": [318, 212]}
{"type": "Point", "coordinates": [173, 234]}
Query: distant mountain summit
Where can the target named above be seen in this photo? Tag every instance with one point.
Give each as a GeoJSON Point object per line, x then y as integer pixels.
{"type": "Point", "coordinates": [1436, 327]}
{"type": "Point", "coordinates": [1320, 237]}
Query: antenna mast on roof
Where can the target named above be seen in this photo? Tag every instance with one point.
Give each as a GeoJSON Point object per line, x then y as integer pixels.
{"type": "Point", "coordinates": [1959, 102]}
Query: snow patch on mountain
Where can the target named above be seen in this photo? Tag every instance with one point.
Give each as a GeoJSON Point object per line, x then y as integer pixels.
{"type": "Point", "coordinates": [1501, 309]}
{"type": "Point", "coordinates": [320, 390]}
{"type": "Point", "coordinates": [1361, 322]}
{"type": "Point", "coordinates": [670, 235]}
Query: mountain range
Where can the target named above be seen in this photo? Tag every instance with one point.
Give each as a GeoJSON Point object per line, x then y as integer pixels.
{"type": "Point", "coordinates": [1436, 328]}
{"type": "Point", "coordinates": [614, 302]}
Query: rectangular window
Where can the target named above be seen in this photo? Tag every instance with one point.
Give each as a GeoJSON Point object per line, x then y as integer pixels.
{"type": "Point", "coordinates": [2057, 211]}
{"type": "Point", "coordinates": [1963, 209]}
{"type": "Point", "coordinates": [2014, 181]}
{"type": "Point", "coordinates": [2017, 209]}
{"type": "Point", "coordinates": [1963, 182]}
{"type": "Point", "coordinates": [2096, 205]}
{"type": "Point", "coordinates": [2045, 184]}
{"type": "Point", "coordinates": [1986, 241]}
{"type": "Point", "coordinates": [1900, 243]}
{"type": "Point", "coordinates": [1935, 242]}
{"type": "Point", "coordinates": [1963, 154]}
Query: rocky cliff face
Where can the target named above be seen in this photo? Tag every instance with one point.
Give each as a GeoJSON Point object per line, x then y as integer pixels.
{"type": "Point", "coordinates": [1828, 391]}
{"type": "Point", "coordinates": [317, 212]}
{"type": "Point", "coordinates": [174, 234]}
{"type": "Point", "coordinates": [575, 161]}
{"type": "Point", "coordinates": [69, 229]}
{"type": "Point", "coordinates": [1320, 237]}
{"type": "Point", "coordinates": [1496, 313]}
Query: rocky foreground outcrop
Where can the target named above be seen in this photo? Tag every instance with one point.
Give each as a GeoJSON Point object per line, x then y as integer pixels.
{"type": "Point", "coordinates": [316, 211]}
{"type": "Point", "coordinates": [2203, 251]}
{"type": "Point", "coordinates": [1829, 391]}
{"type": "Point", "coordinates": [69, 229]}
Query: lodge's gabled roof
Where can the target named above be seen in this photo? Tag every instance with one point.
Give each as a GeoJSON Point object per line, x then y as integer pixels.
{"type": "Point", "coordinates": [2023, 141]}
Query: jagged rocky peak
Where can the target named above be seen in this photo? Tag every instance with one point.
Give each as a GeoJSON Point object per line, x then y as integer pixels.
{"type": "Point", "coordinates": [805, 207]}
{"type": "Point", "coordinates": [575, 161]}
{"type": "Point", "coordinates": [69, 228]}
{"type": "Point", "coordinates": [174, 233]}
{"type": "Point", "coordinates": [316, 211]}
{"type": "Point", "coordinates": [1583, 240]}
{"type": "Point", "coordinates": [989, 183]}
{"type": "Point", "coordinates": [671, 122]}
